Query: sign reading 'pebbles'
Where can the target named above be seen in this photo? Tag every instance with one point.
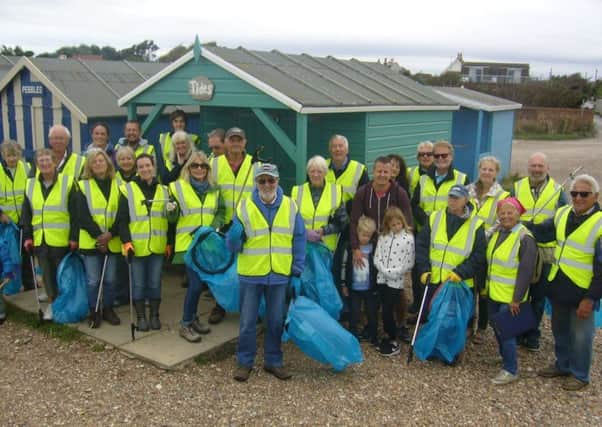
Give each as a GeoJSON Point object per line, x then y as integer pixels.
{"type": "Point", "coordinates": [201, 88]}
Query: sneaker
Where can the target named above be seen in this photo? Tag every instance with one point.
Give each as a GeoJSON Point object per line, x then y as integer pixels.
{"type": "Point", "coordinates": [42, 297]}
{"type": "Point", "coordinates": [279, 372]}
{"type": "Point", "coordinates": [217, 315]}
{"type": "Point", "coordinates": [189, 334]}
{"type": "Point", "coordinates": [200, 327]}
{"type": "Point", "coordinates": [552, 371]}
{"type": "Point", "coordinates": [504, 377]}
{"type": "Point", "coordinates": [389, 348]}
{"type": "Point", "coordinates": [48, 312]}
{"type": "Point", "coordinates": [242, 373]}
{"type": "Point", "coordinates": [110, 316]}
{"type": "Point", "coordinates": [573, 384]}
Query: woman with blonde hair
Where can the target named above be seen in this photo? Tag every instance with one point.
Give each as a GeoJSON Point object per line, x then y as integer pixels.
{"type": "Point", "coordinates": [182, 150]}
{"type": "Point", "coordinates": [198, 204]}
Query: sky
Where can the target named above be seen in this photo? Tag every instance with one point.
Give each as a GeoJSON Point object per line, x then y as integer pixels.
{"type": "Point", "coordinates": [557, 36]}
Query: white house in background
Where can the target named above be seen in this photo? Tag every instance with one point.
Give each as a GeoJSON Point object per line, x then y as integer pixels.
{"type": "Point", "coordinates": [488, 72]}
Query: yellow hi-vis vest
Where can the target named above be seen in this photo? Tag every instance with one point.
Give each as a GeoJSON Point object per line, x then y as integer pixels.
{"type": "Point", "coordinates": [413, 178]}
{"type": "Point", "coordinates": [548, 196]}
{"type": "Point", "coordinates": [12, 191]}
{"type": "Point", "coordinates": [445, 255]}
{"type": "Point", "coordinates": [348, 180]}
{"type": "Point", "coordinates": [433, 198]}
{"type": "Point", "coordinates": [488, 210]}
{"type": "Point", "coordinates": [50, 217]}
{"type": "Point", "coordinates": [193, 212]}
{"type": "Point", "coordinates": [502, 265]}
{"type": "Point", "coordinates": [103, 213]}
{"type": "Point", "coordinates": [74, 165]}
{"type": "Point", "coordinates": [148, 229]}
{"type": "Point", "coordinates": [233, 187]}
{"type": "Point", "coordinates": [317, 217]}
{"type": "Point", "coordinates": [167, 146]}
{"type": "Point", "coordinates": [574, 254]}
{"type": "Point", "coordinates": [267, 249]}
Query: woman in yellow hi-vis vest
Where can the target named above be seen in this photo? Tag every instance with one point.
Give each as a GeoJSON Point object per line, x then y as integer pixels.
{"type": "Point", "coordinates": [511, 256]}
{"type": "Point", "coordinates": [96, 212]}
{"type": "Point", "coordinates": [142, 223]}
{"type": "Point", "coordinates": [321, 205]}
{"type": "Point", "coordinates": [199, 204]}
{"type": "Point", "coordinates": [48, 229]}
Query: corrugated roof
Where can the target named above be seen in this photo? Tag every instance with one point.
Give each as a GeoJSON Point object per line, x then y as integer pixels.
{"type": "Point", "coordinates": [476, 100]}
{"type": "Point", "coordinates": [330, 82]}
{"type": "Point", "coordinates": [6, 63]}
{"type": "Point", "coordinates": [316, 84]}
{"type": "Point", "coordinates": [94, 86]}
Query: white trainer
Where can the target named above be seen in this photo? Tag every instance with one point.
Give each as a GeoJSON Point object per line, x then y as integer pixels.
{"type": "Point", "coordinates": [504, 377]}
{"type": "Point", "coordinates": [48, 312]}
{"type": "Point", "coordinates": [42, 297]}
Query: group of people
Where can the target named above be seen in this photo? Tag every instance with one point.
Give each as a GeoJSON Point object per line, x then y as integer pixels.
{"type": "Point", "coordinates": [420, 227]}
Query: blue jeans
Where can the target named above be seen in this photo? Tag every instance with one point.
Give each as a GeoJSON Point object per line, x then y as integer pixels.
{"type": "Point", "coordinates": [275, 299]}
{"type": "Point", "coordinates": [573, 341]}
{"type": "Point", "coordinates": [191, 300]}
{"type": "Point", "coordinates": [146, 277]}
{"type": "Point", "coordinates": [506, 348]}
{"type": "Point", "coordinates": [93, 265]}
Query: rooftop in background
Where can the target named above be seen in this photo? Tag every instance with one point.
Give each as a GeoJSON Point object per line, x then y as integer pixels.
{"type": "Point", "coordinates": [469, 98]}
{"type": "Point", "coordinates": [487, 71]}
{"type": "Point", "coordinates": [309, 84]}
{"type": "Point", "coordinates": [93, 85]}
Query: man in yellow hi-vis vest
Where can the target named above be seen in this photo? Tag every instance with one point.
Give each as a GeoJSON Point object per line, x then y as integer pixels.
{"type": "Point", "coordinates": [541, 196]}
{"type": "Point", "coordinates": [575, 281]}
{"type": "Point", "coordinates": [269, 233]}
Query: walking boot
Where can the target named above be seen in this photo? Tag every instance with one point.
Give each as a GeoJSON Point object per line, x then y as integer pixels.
{"type": "Point", "coordinates": [110, 316]}
{"type": "Point", "coordinates": [141, 323]}
{"type": "Point", "coordinates": [155, 323]}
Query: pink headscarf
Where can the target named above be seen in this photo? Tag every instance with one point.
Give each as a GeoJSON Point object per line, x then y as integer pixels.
{"type": "Point", "coordinates": [514, 202]}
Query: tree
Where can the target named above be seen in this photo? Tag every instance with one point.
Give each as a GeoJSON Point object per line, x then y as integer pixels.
{"type": "Point", "coordinates": [16, 51]}
{"type": "Point", "coordinates": [144, 51]}
{"type": "Point", "coordinates": [175, 53]}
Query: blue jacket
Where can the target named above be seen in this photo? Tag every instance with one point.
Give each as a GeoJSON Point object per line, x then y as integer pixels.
{"type": "Point", "coordinates": [235, 239]}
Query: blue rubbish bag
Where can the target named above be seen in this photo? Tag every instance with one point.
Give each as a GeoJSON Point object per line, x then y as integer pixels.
{"type": "Point", "coordinates": [71, 305]}
{"type": "Point", "coordinates": [10, 258]}
{"type": "Point", "coordinates": [317, 282]}
{"type": "Point", "coordinates": [443, 336]}
{"type": "Point", "coordinates": [215, 265]}
{"type": "Point", "coordinates": [320, 336]}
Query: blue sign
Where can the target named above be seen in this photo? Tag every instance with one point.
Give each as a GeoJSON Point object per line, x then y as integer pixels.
{"type": "Point", "coordinates": [32, 89]}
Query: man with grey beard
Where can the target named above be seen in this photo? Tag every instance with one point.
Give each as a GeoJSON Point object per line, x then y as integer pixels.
{"type": "Point", "coordinates": [268, 231]}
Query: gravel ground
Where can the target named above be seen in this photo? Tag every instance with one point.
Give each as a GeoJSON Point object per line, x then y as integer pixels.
{"type": "Point", "coordinates": [45, 381]}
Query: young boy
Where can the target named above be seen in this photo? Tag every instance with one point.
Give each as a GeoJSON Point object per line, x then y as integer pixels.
{"type": "Point", "coordinates": [360, 284]}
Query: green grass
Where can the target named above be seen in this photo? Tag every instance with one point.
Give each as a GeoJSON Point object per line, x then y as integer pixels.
{"type": "Point", "coordinates": [50, 329]}
{"type": "Point", "coordinates": [553, 136]}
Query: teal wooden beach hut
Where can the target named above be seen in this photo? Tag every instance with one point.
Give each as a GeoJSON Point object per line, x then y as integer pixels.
{"type": "Point", "coordinates": [292, 104]}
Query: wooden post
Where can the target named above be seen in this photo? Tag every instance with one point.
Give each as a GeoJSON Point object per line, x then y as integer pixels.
{"type": "Point", "coordinates": [301, 144]}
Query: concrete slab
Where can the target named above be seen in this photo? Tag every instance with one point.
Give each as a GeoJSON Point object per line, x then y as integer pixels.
{"type": "Point", "coordinates": [164, 348]}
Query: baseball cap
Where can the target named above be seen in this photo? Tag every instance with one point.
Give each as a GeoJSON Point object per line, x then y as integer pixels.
{"type": "Point", "coordinates": [458, 191]}
{"type": "Point", "coordinates": [235, 132]}
{"type": "Point", "coordinates": [267, 169]}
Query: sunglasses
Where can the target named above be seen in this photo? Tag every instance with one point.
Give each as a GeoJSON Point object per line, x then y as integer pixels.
{"type": "Point", "coordinates": [441, 156]}
{"type": "Point", "coordinates": [199, 165]}
{"type": "Point", "coordinates": [429, 154]}
{"type": "Point", "coordinates": [582, 194]}
{"type": "Point", "coordinates": [263, 181]}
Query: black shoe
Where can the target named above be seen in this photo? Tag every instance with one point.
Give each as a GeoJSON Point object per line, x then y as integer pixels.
{"type": "Point", "coordinates": [155, 323]}
{"type": "Point", "coordinates": [95, 319]}
{"type": "Point", "coordinates": [110, 316]}
{"type": "Point", "coordinates": [279, 372]}
{"type": "Point", "coordinates": [404, 334]}
{"type": "Point", "coordinates": [217, 315]}
{"type": "Point", "coordinates": [242, 373]}
{"type": "Point", "coordinates": [389, 348]}
{"type": "Point", "coordinates": [141, 323]}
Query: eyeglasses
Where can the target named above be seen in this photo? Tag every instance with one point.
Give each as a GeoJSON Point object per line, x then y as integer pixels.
{"type": "Point", "coordinates": [199, 165]}
{"type": "Point", "coordinates": [441, 156]}
{"type": "Point", "coordinates": [263, 181]}
{"type": "Point", "coordinates": [582, 194]}
{"type": "Point", "coordinates": [429, 154]}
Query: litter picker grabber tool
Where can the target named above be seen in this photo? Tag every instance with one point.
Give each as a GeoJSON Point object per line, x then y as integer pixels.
{"type": "Point", "coordinates": [100, 289]}
{"type": "Point", "coordinates": [571, 176]}
{"type": "Point", "coordinates": [129, 257]}
{"type": "Point", "coordinates": [35, 288]}
{"type": "Point", "coordinates": [418, 319]}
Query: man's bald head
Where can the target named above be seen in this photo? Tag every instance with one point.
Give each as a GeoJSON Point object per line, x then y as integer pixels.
{"type": "Point", "coordinates": [538, 167]}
